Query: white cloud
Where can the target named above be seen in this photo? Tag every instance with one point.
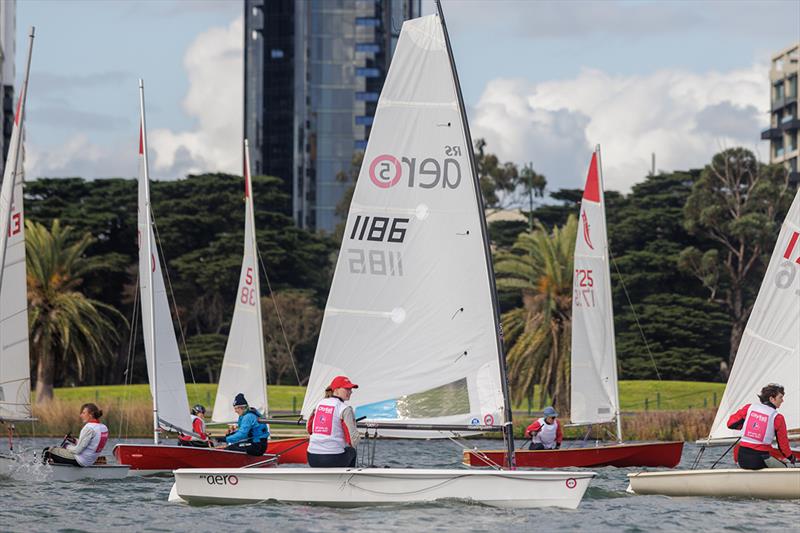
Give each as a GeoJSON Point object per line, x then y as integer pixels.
{"type": "Point", "coordinates": [683, 117]}
{"type": "Point", "coordinates": [214, 67]}
{"type": "Point", "coordinates": [79, 157]}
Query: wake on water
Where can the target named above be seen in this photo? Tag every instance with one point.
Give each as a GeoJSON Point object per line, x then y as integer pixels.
{"type": "Point", "coordinates": [25, 465]}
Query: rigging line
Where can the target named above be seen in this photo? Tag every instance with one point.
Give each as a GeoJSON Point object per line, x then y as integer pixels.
{"type": "Point", "coordinates": [128, 373]}
{"type": "Point", "coordinates": [482, 456]}
{"type": "Point", "coordinates": [280, 319]}
{"type": "Point", "coordinates": [635, 315]}
{"type": "Point", "coordinates": [172, 295]}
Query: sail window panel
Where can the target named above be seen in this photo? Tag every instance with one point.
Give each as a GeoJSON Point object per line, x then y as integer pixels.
{"type": "Point", "coordinates": [447, 400]}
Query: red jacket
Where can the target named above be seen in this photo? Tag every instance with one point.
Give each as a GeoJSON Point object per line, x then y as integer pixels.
{"type": "Point", "coordinates": [736, 421]}
{"type": "Point", "coordinates": [536, 426]}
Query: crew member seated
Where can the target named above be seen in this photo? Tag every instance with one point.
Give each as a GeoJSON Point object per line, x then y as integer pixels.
{"type": "Point", "coordinates": [199, 428]}
{"type": "Point", "coordinates": [332, 426]}
{"type": "Point", "coordinates": [91, 441]}
{"type": "Point", "coordinates": [545, 433]}
{"type": "Point", "coordinates": [761, 424]}
{"type": "Point", "coordinates": [251, 436]}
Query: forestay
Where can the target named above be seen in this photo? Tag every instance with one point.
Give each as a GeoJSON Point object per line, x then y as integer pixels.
{"type": "Point", "coordinates": [15, 379]}
{"type": "Point", "coordinates": [243, 368]}
{"type": "Point", "coordinates": [409, 316]}
{"type": "Point", "coordinates": [168, 386]}
{"type": "Point", "coordinates": [770, 348]}
{"type": "Point", "coordinates": [594, 397]}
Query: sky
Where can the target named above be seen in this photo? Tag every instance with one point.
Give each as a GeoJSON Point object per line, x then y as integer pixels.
{"type": "Point", "coordinates": [543, 82]}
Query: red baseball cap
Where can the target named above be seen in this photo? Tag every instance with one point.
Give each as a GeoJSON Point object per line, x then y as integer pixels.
{"type": "Point", "coordinates": [342, 382]}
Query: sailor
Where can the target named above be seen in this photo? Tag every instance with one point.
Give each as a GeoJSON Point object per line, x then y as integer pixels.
{"type": "Point", "coordinates": [332, 426]}
{"type": "Point", "coordinates": [198, 427]}
{"type": "Point", "coordinates": [545, 433]}
{"type": "Point", "coordinates": [760, 424]}
{"type": "Point", "coordinates": [251, 435]}
{"type": "Point", "coordinates": [90, 443]}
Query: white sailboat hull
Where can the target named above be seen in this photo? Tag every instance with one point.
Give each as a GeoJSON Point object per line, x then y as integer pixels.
{"type": "Point", "coordinates": [12, 467]}
{"type": "Point", "coordinates": [771, 483]}
{"type": "Point", "coordinates": [355, 487]}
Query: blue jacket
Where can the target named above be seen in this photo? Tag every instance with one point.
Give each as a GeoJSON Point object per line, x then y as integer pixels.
{"type": "Point", "coordinates": [250, 429]}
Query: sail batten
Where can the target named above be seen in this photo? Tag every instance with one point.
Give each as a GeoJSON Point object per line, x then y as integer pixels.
{"type": "Point", "coordinates": [593, 391]}
{"type": "Point", "coordinates": [410, 313]}
{"type": "Point", "coordinates": [243, 367]}
{"type": "Point", "coordinates": [769, 351]}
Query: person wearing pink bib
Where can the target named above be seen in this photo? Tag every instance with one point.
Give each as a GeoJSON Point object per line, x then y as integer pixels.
{"type": "Point", "coordinates": [85, 450]}
{"type": "Point", "coordinates": [332, 426]}
{"type": "Point", "coordinates": [761, 424]}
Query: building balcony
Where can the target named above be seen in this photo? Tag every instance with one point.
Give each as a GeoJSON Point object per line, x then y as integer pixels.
{"type": "Point", "coordinates": [783, 101]}
{"type": "Point", "coordinates": [790, 124]}
{"type": "Point", "coordinates": [772, 133]}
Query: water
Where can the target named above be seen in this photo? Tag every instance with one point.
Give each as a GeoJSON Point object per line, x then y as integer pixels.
{"type": "Point", "coordinates": [141, 504]}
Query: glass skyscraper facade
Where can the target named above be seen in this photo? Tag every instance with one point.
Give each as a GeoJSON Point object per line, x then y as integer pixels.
{"type": "Point", "coordinates": [313, 73]}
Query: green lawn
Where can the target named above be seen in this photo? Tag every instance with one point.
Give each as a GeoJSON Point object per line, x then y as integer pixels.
{"type": "Point", "coordinates": [281, 397]}
{"type": "Point", "coordinates": [634, 395]}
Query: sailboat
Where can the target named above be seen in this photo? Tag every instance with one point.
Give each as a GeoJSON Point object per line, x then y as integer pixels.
{"type": "Point", "coordinates": [243, 368]}
{"type": "Point", "coordinates": [594, 391]}
{"type": "Point", "coordinates": [412, 313]}
{"type": "Point", "coordinates": [165, 372]}
{"type": "Point", "coordinates": [769, 352]}
{"type": "Point", "coordinates": [15, 380]}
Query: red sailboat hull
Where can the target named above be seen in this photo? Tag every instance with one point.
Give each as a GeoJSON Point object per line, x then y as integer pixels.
{"type": "Point", "coordinates": [146, 459]}
{"type": "Point", "coordinates": [666, 454]}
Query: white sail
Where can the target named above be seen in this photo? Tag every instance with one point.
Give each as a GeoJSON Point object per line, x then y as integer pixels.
{"type": "Point", "coordinates": [161, 347]}
{"type": "Point", "coordinates": [410, 317]}
{"type": "Point", "coordinates": [594, 397]}
{"type": "Point", "coordinates": [15, 379]}
{"type": "Point", "coordinates": [243, 368]}
{"type": "Point", "coordinates": [770, 348]}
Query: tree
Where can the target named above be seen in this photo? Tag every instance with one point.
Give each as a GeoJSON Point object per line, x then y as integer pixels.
{"type": "Point", "coordinates": [495, 178]}
{"type": "Point", "coordinates": [299, 321]}
{"type": "Point", "coordinates": [537, 335]}
{"type": "Point", "coordinates": [737, 205]}
{"type": "Point", "coordinates": [66, 328]}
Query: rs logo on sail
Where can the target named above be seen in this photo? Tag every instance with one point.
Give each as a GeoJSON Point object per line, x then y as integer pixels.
{"type": "Point", "coordinates": [386, 170]}
{"type": "Point", "coordinates": [586, 236]}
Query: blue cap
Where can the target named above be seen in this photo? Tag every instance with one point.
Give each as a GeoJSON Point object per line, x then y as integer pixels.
{"type": "Point", "coordinates": [549, 411]}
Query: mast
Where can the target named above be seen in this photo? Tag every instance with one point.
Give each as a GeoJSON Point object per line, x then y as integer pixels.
{"type": "Point", "coordinates": [11, 170]}
{"type": "Point", "coordinates": [508, 426]}
{"type": "Point", "coordinates": [251, 219]}
{"type": "Point", "coordinates": [617, 415]}
{"type": "Point", "coordinates": [149, 251]}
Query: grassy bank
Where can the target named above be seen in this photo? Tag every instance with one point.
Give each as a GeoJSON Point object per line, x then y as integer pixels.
{"type": "Point", "coordinates": [662, 410]}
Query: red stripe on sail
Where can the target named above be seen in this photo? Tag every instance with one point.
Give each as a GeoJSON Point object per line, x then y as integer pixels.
{"type": "Point", "coordinates": [141, 140]}
{"type": "Point", "coordinates": [591, 191]}
{"type": "Point", "coordinates": [246, 181]}
{"type": "Point", "coordinates": [788, 253]}
{"type": "Point", "coordinates": [19, 108]}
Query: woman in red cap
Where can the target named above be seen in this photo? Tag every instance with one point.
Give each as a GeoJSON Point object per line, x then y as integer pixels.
{"type": "Point", "coordinates": [332, 426]}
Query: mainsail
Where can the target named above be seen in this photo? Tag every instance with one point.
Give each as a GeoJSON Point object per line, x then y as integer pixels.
{"type": "Point", "coordinates": [594, 396]}
{"type": "Point", "coordinates": [769, 351]}
{"type": "Point", "coordinates": [164, 367]}
{"type": "Point", "coordinates": [410, 316]}
{"type": "Point", "coordinates": [15, 379]}
{"type": "Point", "coordinates": [243, 368]}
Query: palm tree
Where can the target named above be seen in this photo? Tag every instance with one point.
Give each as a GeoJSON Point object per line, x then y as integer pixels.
{"type": "Point", "coordinates": [65, 326]}
{"type": "Point", "coordinates": [538, 333]}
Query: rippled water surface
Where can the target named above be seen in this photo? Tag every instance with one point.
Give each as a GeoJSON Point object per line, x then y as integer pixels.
{"type": "Point", "coordinates": [141, 504]}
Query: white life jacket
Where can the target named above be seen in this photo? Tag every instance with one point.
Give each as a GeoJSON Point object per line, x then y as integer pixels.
{"type": "Point", "coordinates": [98, 441]}
{"type": "Point", "coordinates": [547, 435]}
{"type": "Point", "coordinates": [327, 433]}
{"type": "Point", "coordinates": [759, 424]}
